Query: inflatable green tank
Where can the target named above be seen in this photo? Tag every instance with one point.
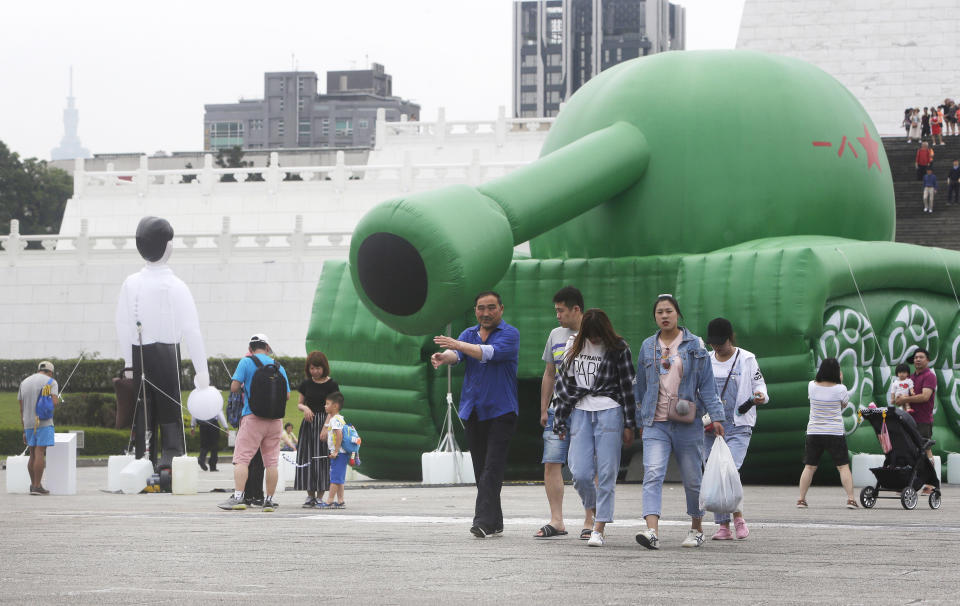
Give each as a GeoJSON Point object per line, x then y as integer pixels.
{"type": "Point", "coordinates": [751, 186]}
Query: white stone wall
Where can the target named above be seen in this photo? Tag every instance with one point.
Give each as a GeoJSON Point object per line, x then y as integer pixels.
{"type": "Point", "coordinates": [55, 307]}
{"type": "Point", "coordinates": [251, 252]}
{"type": "Point", "coordinates": [890, 54]}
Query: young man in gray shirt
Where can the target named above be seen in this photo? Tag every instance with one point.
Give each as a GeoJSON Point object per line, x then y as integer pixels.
{"type": "Point", "coordinates": [37, 432]}
{"type": "Point", "coordinates": [568, 304]}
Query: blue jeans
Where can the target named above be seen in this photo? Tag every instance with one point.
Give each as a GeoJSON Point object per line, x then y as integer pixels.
{"type": "Point", "coordinates": [595, 442]}
{"type": "Point", "coordinates": [685, 441]}
{"type": "Point", "coordinates": [554, 449]}
{"type": "Point", "coordinates": [738, 440]}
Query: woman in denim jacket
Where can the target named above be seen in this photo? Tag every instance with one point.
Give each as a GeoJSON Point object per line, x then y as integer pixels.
{"type": "Point", "coordinates": [673, 370]}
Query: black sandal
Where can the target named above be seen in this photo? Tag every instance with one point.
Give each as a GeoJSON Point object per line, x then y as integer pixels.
{"type": "Point", "coordinates": [585, 534]}
{"type": "Point", "coordinates": [546, 531]}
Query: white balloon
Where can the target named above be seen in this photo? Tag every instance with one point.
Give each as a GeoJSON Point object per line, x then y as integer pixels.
{"type": "Point", "coordinates": [205, 404]}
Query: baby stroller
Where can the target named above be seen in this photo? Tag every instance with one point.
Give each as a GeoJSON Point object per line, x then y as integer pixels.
{"type": "Point", "coordinates": [906, 468]}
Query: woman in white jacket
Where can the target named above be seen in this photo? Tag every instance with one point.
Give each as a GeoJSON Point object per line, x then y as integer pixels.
{"type": "Point", "coordinates": [740, 386]}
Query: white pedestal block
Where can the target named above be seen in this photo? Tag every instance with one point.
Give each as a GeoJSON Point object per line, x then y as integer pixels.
{"type": "Point", "coordinates": [860, 465]}
{"type": "Point", "coordinates": [18, 476]}
{"type": "Point", "coordinates": [115, 465]}
{"type": "Point", "coordinates": [60, 476]}
{"type": "Point", "coordinates": [447, 468]}
{"type": "Point", "coordinates": [287, 467]}
{"type": "Point", "coordinates": [936, 466]}
{"type": "Point", "coordinates": [186, 475]}
{"type": "Point", "coordinates": [953, 468]}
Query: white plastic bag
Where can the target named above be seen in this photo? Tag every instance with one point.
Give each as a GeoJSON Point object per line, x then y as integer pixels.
{"type": "Point", "coordinates": [720, 490]}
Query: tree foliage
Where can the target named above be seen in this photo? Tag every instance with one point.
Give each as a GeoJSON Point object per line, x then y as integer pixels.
{"type": "Point", "coordinates": [33, 192]}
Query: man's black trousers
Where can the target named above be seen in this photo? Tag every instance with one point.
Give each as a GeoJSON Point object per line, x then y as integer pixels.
{"type": "Point", "coordinates": [489, 441]}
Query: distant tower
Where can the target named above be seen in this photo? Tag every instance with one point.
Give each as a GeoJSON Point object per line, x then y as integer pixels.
{"type": "Point", "coordinates": [70, 146]}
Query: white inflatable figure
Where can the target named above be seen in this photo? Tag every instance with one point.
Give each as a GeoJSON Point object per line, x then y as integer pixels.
{"type": "Point", "coordinates": [155, 313]}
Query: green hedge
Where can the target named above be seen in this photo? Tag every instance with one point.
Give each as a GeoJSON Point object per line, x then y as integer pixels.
{"type": "Point", "coordinates": [95, 375]}
{"type": "Point", "coordinates": [97, 440]}
{"type": "Point", "coordinates": [87, 410]}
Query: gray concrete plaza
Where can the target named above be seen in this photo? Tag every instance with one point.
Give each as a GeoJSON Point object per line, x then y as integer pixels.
{"type": "Point", "coordinates": [396, 544]}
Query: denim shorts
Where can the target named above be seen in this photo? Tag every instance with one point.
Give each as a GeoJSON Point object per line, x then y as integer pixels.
{"type": "Point", "coordinates": [42, 436]}
{"type": "Point", "coordinates": [554, 449]}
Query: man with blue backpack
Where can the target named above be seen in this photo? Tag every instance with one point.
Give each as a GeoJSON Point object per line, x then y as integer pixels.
{"type": "Point", "coordinates": [264, 381]}
{"type": "Point", "coordinates": [38, 396]}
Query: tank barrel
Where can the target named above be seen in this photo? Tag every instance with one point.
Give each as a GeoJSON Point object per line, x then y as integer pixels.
{"type": "Point", "coordinates": [418, 261]}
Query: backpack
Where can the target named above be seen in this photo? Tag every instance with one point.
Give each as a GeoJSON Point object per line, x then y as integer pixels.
{"type": "Point", "coordinates": [351, 439]}
{"type": "Point", "coordinates": [268, 390]}
{"type": "Point", "coordinates": [45, 402]}
{"type": "Point", "coordinates": [234, 408]}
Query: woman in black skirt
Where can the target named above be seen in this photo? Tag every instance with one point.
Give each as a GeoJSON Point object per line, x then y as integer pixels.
{"type": "Point", "coordinates": [313, 472]}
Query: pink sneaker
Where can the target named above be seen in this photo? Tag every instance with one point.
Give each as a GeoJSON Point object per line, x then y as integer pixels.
{"type": "Point", "coordinates": [722, 535]}
{"type": "Point", "coordinates": [741, 526]}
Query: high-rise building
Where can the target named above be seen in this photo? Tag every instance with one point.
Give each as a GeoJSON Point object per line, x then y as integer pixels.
{"type": "Point", "coordinates": [293, 114]}
{"type": "Point", "coordinates": [560, 44]}
{"type": "Point", "coordinates": [70, 147]}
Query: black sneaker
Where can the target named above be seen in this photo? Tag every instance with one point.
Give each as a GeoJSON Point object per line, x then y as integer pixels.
{"type": "Point", "coordinates": [203, 464]}
{"type": "Point", "coordinates": [253, 502]}
{"type": "Point", "coordinates": [35, 490]}
{"type": "Point", "coordinates": [310, 503]}
{"type": "Point", "coordinates": [479, 532]}
{"type": "Point", "coordinates": [269, 505]}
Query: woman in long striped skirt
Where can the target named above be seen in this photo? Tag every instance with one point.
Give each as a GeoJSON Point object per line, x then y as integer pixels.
{"type": "Point", "coordinates": [313, 466]}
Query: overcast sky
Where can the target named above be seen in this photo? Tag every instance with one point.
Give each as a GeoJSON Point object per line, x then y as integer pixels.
{"type": "Point", "coordinates": [144, 70]}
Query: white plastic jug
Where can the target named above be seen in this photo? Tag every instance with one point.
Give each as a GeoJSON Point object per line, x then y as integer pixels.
{"type": "Point", "coordinates": [18, 478]}
{"type": "Point", "coordinates": [186, 472]}
{"type": "Point", "coordinates": [133, 477]}
{"type": "Point", "coordinates": [860, 464]}
{"type": "Point", "coordinates": [115, 465]}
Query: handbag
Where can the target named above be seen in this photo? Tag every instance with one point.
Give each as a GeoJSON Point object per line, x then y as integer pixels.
{"type": "Point", "coordinates": [44, 405]}
{"type": "Point", "coordinates": [681, 411]}
{"type": "Point", "coordinates": [884, 437]}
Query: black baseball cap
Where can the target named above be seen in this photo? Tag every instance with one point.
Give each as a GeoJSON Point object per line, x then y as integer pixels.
{"type": "Point", "coordinates": [718, 331]}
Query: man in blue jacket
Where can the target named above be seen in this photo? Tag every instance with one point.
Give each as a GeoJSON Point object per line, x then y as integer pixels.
{"type": "Point", "coordinates": [488, 401]}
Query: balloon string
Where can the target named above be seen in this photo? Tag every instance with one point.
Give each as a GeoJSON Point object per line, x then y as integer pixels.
{"type": "Point", "coordinates": [225, 431]}
{"type": "Point", "coordinates": [866, 315]}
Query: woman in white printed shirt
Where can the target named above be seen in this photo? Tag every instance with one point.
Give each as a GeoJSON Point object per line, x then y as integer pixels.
{"type": "Point", "coordinates": [595, 404]}
{"type": "Point", "coordinates": [825, 430]}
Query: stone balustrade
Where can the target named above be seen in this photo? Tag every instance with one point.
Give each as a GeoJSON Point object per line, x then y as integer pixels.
{"type": "Point", "coordinates": [14, 248]}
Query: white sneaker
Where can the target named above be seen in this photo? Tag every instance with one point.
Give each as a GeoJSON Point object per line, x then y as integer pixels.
{"type": "Point", "coordinates": [648, 538]}
{"type": "Point", "coordinates": [596, 539]}
{"type": "Point", "coordinates": [694, 539]}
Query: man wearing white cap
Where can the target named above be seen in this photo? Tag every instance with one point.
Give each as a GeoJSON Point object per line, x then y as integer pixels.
{"type": "Point", "coordinates": [266, 386]}
{"type": "Point", "coordinates": [38, 432]}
